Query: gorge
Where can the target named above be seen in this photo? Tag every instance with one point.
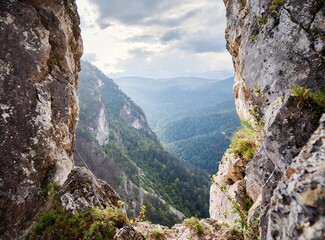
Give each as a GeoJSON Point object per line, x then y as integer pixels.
{"type": "Point", "coordinates": [277, 192]}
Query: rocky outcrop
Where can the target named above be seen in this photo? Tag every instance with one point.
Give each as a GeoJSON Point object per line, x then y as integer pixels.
{"type": "Point", "coordinates": [190, 229]}
{"type": "Point", "coordinates": [39, 61]}
{"type": "Point", "coordinates": [276, 46]}
{"type": "Point", "coordinates": [83, 190]}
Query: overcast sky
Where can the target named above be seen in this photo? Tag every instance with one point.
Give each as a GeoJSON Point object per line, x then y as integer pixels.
{"type": "Point", "coordinates": [156, 38]}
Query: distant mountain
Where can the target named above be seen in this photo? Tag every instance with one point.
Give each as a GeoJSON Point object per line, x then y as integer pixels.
{"type": "Point", "coordinates": [193, 117]}
{"type": "Point", "coordinates": [116, 142]}
{"type": "Point", "coordinates": [166, 99]}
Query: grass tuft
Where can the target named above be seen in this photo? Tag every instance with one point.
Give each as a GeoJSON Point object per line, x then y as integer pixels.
{"type": "Point", "coordinates": [195, 224]}
{"type": "Point", "coordinates": [244, 144]}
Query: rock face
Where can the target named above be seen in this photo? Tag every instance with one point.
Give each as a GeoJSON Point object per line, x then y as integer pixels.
{"type": "Point", "coordinates": [275, 46]}
{"type": "Point", "coordinates": [39, 60]}
{"type": "Point", "coordinates": [297, 208]}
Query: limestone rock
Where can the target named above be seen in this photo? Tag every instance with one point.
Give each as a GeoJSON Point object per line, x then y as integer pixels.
{"type": "Point", "coordinates": [275, 45]}
{"type": "Point", "coordinates": [128, 233]}
{"type": "Point", "coordinates": [298, 205]}
{"type": "Point", "coordinates": [211, 230]}
{"type": "Point", "coordinates": [83, 190]}
{"type": "Point", "coordinates": [224, 191]}
{"type": "Point", "coordinates": [39, 60]}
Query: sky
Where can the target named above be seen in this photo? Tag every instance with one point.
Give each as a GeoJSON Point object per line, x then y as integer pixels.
{"type": "Point", "coordinates": [156, 38]}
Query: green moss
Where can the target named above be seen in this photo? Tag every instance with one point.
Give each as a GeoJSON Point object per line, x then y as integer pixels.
{"type": "Point", "coordinates": [275, 4]}
{"type": "Point", "coordinates": [262, 20]}
{"type": "Point", "coordinates": [195, 224]}
{"type": "Point", "coordinates": [257, 90]}
{"type": "Point", "coordinates": [244, 144]}
{"type": "Point", "coordinates": [94, 223]}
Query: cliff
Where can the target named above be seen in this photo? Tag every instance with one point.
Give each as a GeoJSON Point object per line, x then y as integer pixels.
{"type": "Point", "coordinates": [278, 54]}
{"type": "Point", "coordinates": [39, 61]}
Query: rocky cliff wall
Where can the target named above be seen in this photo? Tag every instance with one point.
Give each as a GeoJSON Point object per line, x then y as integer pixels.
{"type": "Point", "coordinates": [39, 60]}
{"type": "Point", "coordinates": [278, 53]}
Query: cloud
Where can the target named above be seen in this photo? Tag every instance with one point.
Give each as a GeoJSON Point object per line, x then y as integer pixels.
{"type": "Point", "coordinates": [155, 38]}
{"type": "Point", "coordinates": [90, 57]}
{"type": "Point", "coordinates": [139, 53]}
{"type": "Point", "coordinates": [204, 41]}
{"type": "Point", "coordinates": [128, 11]}
{"type": "Point", "coordinates": [171, 35]}
{"type": "Point", "coordinates": [169, 21]}
{"type": "Point", "coordinates": [145, 38]}
{"type": "Point", "coordinates": [143, 12]}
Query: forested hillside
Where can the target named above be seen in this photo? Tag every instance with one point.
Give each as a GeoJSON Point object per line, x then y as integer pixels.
{"type": "Point", "coordinates": [194, 118]}
{"type": "Point", "coordinates": [117, 144]}
{"type": "Point", "coordinates": [200, 140]}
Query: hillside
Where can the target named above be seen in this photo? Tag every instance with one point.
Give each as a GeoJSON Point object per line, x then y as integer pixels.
{"type": "Point", "coordinates": [194, 118]}
{"type": "Point", "coordinates": [201, 140]}
{"type": "Point", "coordinates": [117, 144]}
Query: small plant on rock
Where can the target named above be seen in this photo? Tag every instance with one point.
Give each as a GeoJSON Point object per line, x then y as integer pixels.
{"type": "Point", "coordinates": [314, 100]}
{"type": "Point", "coordinates": [195, 224]}
{"type": "Point", "coordinates": [275, 4]}
{"type": "Point", "coordinates": [244, 143]}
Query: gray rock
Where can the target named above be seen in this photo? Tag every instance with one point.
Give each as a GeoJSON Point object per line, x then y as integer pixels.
{"type": "Point", "coordinates": [39, 60]}
{"type": "Point", "coordinates": [298, 205]}
{"type": "Point", "coordinates": [128, 233]}
{"type": "Point", "coordinates": [83, 190]}
{"type": "Point", "coordinates": [273, 50]}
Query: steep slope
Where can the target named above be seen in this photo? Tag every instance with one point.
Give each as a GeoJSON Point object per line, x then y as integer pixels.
{"type": "Point", "coordinates": [117, 144]}
{"type": "Point", "coordinates": [38, 105]}
{"type": "Point", "coordinates": [192, 117]}
{"type": "Point", "coordinates": [278, 54]}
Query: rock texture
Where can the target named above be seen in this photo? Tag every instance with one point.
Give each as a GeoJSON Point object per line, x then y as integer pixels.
{"type": "Point", "coordinates": [83, 190]}
{"type": "Point", "coordinates": [297, 208]}
{"type": "Point", "coordinates": [274, 45]}
{"type": "Point", "coordinates": [39, 60]}
{"type": "Point", "coordinates": [206, 229]}
{"type": "Point", "coordinates": [228, 185]}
